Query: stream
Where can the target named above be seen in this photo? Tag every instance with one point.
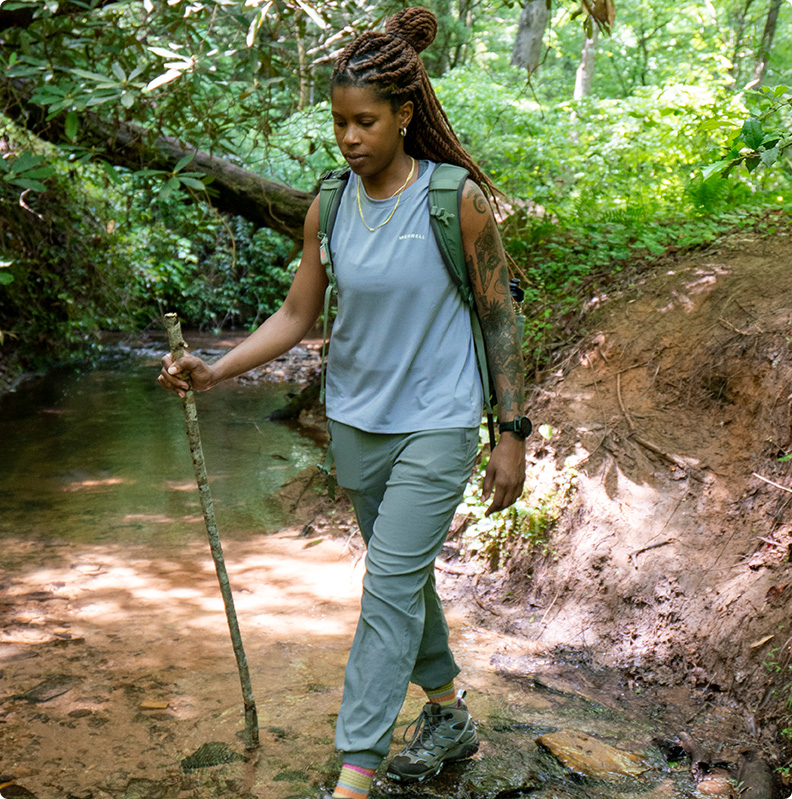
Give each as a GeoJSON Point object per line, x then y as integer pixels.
{"type": "Point", "coordinates": [115, 663]}
{"type": "Point", "coordinates": [100, 456]}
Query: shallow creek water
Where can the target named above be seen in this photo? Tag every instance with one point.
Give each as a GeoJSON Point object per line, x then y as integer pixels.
{"type": "Point", "coordinates": [115, 663]}
{"type": "Point", "coordinates": [101, 456]}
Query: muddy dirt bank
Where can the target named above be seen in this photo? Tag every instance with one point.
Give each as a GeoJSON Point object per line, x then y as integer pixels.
{"type": "Point", "coordinates": [674, 560]}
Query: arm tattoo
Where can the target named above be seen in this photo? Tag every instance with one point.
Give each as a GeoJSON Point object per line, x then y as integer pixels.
{"type": "Point", "coordinates": [479, 203]}
{"type": "Point", "coordinates": [490, 279]}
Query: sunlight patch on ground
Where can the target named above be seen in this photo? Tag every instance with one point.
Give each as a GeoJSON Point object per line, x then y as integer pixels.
{"type": "Point", "coordinates": [185, 486]}
{"type": "Point", "coordinates": [81, 485]}
{"type": "Point", "coordinates": [281, 585]}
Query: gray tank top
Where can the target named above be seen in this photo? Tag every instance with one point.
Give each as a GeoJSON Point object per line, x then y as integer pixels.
{"type": "Point", "coordinates": [401, 355]}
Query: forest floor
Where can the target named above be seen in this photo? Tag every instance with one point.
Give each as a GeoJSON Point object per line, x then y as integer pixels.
{"type": "Point", "coordinates": [670, 567]}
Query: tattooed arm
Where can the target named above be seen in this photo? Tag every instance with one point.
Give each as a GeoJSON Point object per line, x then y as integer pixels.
{"type": "Point", "coordinates": [486, 265]}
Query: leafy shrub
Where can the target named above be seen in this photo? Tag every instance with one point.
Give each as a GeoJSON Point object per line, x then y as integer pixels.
{"type": "Point", "coordinates": [215, 273]}
{"type": "Point", "coordinates": [63, 280]}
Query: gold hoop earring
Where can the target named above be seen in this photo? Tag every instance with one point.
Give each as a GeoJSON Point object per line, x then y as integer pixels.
{"type": "Point", "coordinates": [403, 132]}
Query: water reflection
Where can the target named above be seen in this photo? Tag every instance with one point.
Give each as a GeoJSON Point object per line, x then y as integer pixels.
{"type": "Point", "coordinates": [103, 455]}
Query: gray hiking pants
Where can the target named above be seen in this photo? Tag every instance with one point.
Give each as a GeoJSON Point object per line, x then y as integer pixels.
{"type": "Point", "coordinates": [405, 489]}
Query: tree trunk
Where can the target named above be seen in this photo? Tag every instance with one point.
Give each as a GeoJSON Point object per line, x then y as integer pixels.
{"type": "Point", "coordinates": [585, 71]}
{"type": "Point", "coordinates": [463, 48]}
{"type": "Point", "coordinates": [766, 45]}
{"type": "Point", "coordinates": [234, 190]}
{"type": "Point", "coordinates": [738, 37]}
{"type": "Point", "coordinates": [302, 66]}
{"type": "Point", "coordinates": [527, 52]}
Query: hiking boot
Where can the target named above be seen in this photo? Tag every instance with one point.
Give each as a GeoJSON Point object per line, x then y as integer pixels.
{"type": "Point", "coordinates": [442, 735]}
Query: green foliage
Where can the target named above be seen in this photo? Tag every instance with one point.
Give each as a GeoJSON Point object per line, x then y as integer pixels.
{"type": "Point", "coordinates": [763, 139]}
{"type": "Point", "coordinates": [524, 528]}
{"type": "Point", "coordinates": [780, 671]}
{"type": "Point", "coordinates": [63, 280]}
{"type": "Point", "coordinates": [604, 184]}
{"type": "Point", "coordinates": [593, 186]}
{"type": "Point", "coordinates": [87, 254]}
{"type": "Point", "coordinates": [25, 171]}
{"type": "Point", "coordinates": [215, 273]}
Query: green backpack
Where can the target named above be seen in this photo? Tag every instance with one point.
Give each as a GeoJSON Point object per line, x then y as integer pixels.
{"type": "Point", "coordinates": [445, 197]}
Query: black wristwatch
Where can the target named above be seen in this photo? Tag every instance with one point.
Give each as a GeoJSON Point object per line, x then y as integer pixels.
{"type": "Point", "coordinates": [521, 427]}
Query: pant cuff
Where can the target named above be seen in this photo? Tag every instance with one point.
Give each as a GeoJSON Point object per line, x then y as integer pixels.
{"type": "Point", "coordinates": [365, 759]}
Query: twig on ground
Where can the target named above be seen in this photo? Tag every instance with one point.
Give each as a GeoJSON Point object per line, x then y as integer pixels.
{"type": "Point", "coordinates": [634, 555]}
{"type": "Point", "coordinates": [728, 324]}
{"type": "Point", "coordinates": [450, 569]}
{"type": "Point", "coordinates": [673, 459]}
{"type": "Point", "coordinates": [621, 403]}
{"type": "Point", "coordinates": [772, 543]}
{"type": "Point", "coordinates": [770, 482]}
{"type": "Point", "coordinates": [550, 606]}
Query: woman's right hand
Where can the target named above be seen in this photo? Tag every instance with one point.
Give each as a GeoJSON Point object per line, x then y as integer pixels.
{"type": "Point", "coordinates": [174, 375]}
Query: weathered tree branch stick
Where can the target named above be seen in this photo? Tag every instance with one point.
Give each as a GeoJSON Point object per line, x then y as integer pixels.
{"type": "Point", "coordinates": [770, 482]}
{"type": "Point", "coordinates": [177, 347]}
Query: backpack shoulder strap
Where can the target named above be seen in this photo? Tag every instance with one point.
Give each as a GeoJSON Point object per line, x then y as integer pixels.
{"type": "Point", "coordinates": [446, 186]}
{"type": "Point", "coordinates": [445, 202]}
{"type": "Point", "coordinates": [330, 191]}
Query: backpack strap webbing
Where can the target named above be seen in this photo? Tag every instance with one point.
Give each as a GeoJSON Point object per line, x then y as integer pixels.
{"type": "Point", "coordinates": [446, 187]}
{"type": "Point", "coordinates": [332, 188]}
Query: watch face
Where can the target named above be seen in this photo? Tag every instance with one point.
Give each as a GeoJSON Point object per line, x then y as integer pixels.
{"type": "Point", "coordinates": [521, 426]}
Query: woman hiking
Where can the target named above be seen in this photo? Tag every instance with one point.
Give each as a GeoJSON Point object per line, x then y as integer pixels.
{"type": "Point", "coordinates": [403, 396]}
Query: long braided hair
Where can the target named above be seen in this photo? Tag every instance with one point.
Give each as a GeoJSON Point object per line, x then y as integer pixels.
{"type": "Point", "coordinates": [389, 64]}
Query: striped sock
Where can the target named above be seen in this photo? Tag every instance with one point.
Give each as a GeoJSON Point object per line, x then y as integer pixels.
{"type": "Point", "coordinates": [445, 696]}
{"type": "Point", "coordinates": [354, 782]}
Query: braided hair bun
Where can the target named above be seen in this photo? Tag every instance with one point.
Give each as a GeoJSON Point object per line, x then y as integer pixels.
{"type": "Point", "coordinates": [416, 25]}
{"type": "Point", "coordinates": [388, 64]}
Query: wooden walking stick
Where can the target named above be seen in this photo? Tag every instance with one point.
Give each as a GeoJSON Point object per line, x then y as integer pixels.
{"type": "Point", "coordinates": [177, 348]}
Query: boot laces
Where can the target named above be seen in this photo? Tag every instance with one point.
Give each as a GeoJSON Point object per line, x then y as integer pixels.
{"type": "Point", "coordinates": [423, 728]}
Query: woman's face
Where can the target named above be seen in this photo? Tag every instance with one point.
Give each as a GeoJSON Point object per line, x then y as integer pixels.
{"type": "Point", "coordinates": [367, 128]}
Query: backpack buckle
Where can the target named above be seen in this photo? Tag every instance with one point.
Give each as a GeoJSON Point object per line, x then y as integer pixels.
{"type": "Point", "coordinates": [441, 214]}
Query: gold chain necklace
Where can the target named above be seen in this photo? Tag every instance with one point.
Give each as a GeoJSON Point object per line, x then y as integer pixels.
{"type": "Point", "coordinates": [398, 198]}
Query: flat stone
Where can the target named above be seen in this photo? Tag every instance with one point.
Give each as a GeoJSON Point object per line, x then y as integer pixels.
{"type": "Point", "coordinates": [589, 756]}
{"type": "Point", "coordinates": [56, 685]}
{"type": "Point", "coordinates": [10, 653]}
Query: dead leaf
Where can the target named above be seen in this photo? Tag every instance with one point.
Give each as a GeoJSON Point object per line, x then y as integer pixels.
{"type": "Point", "coordinates": [775, 592]}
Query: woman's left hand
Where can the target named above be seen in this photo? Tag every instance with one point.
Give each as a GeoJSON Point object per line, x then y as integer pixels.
{"type": "Point", "coordinates": [505, 474]}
